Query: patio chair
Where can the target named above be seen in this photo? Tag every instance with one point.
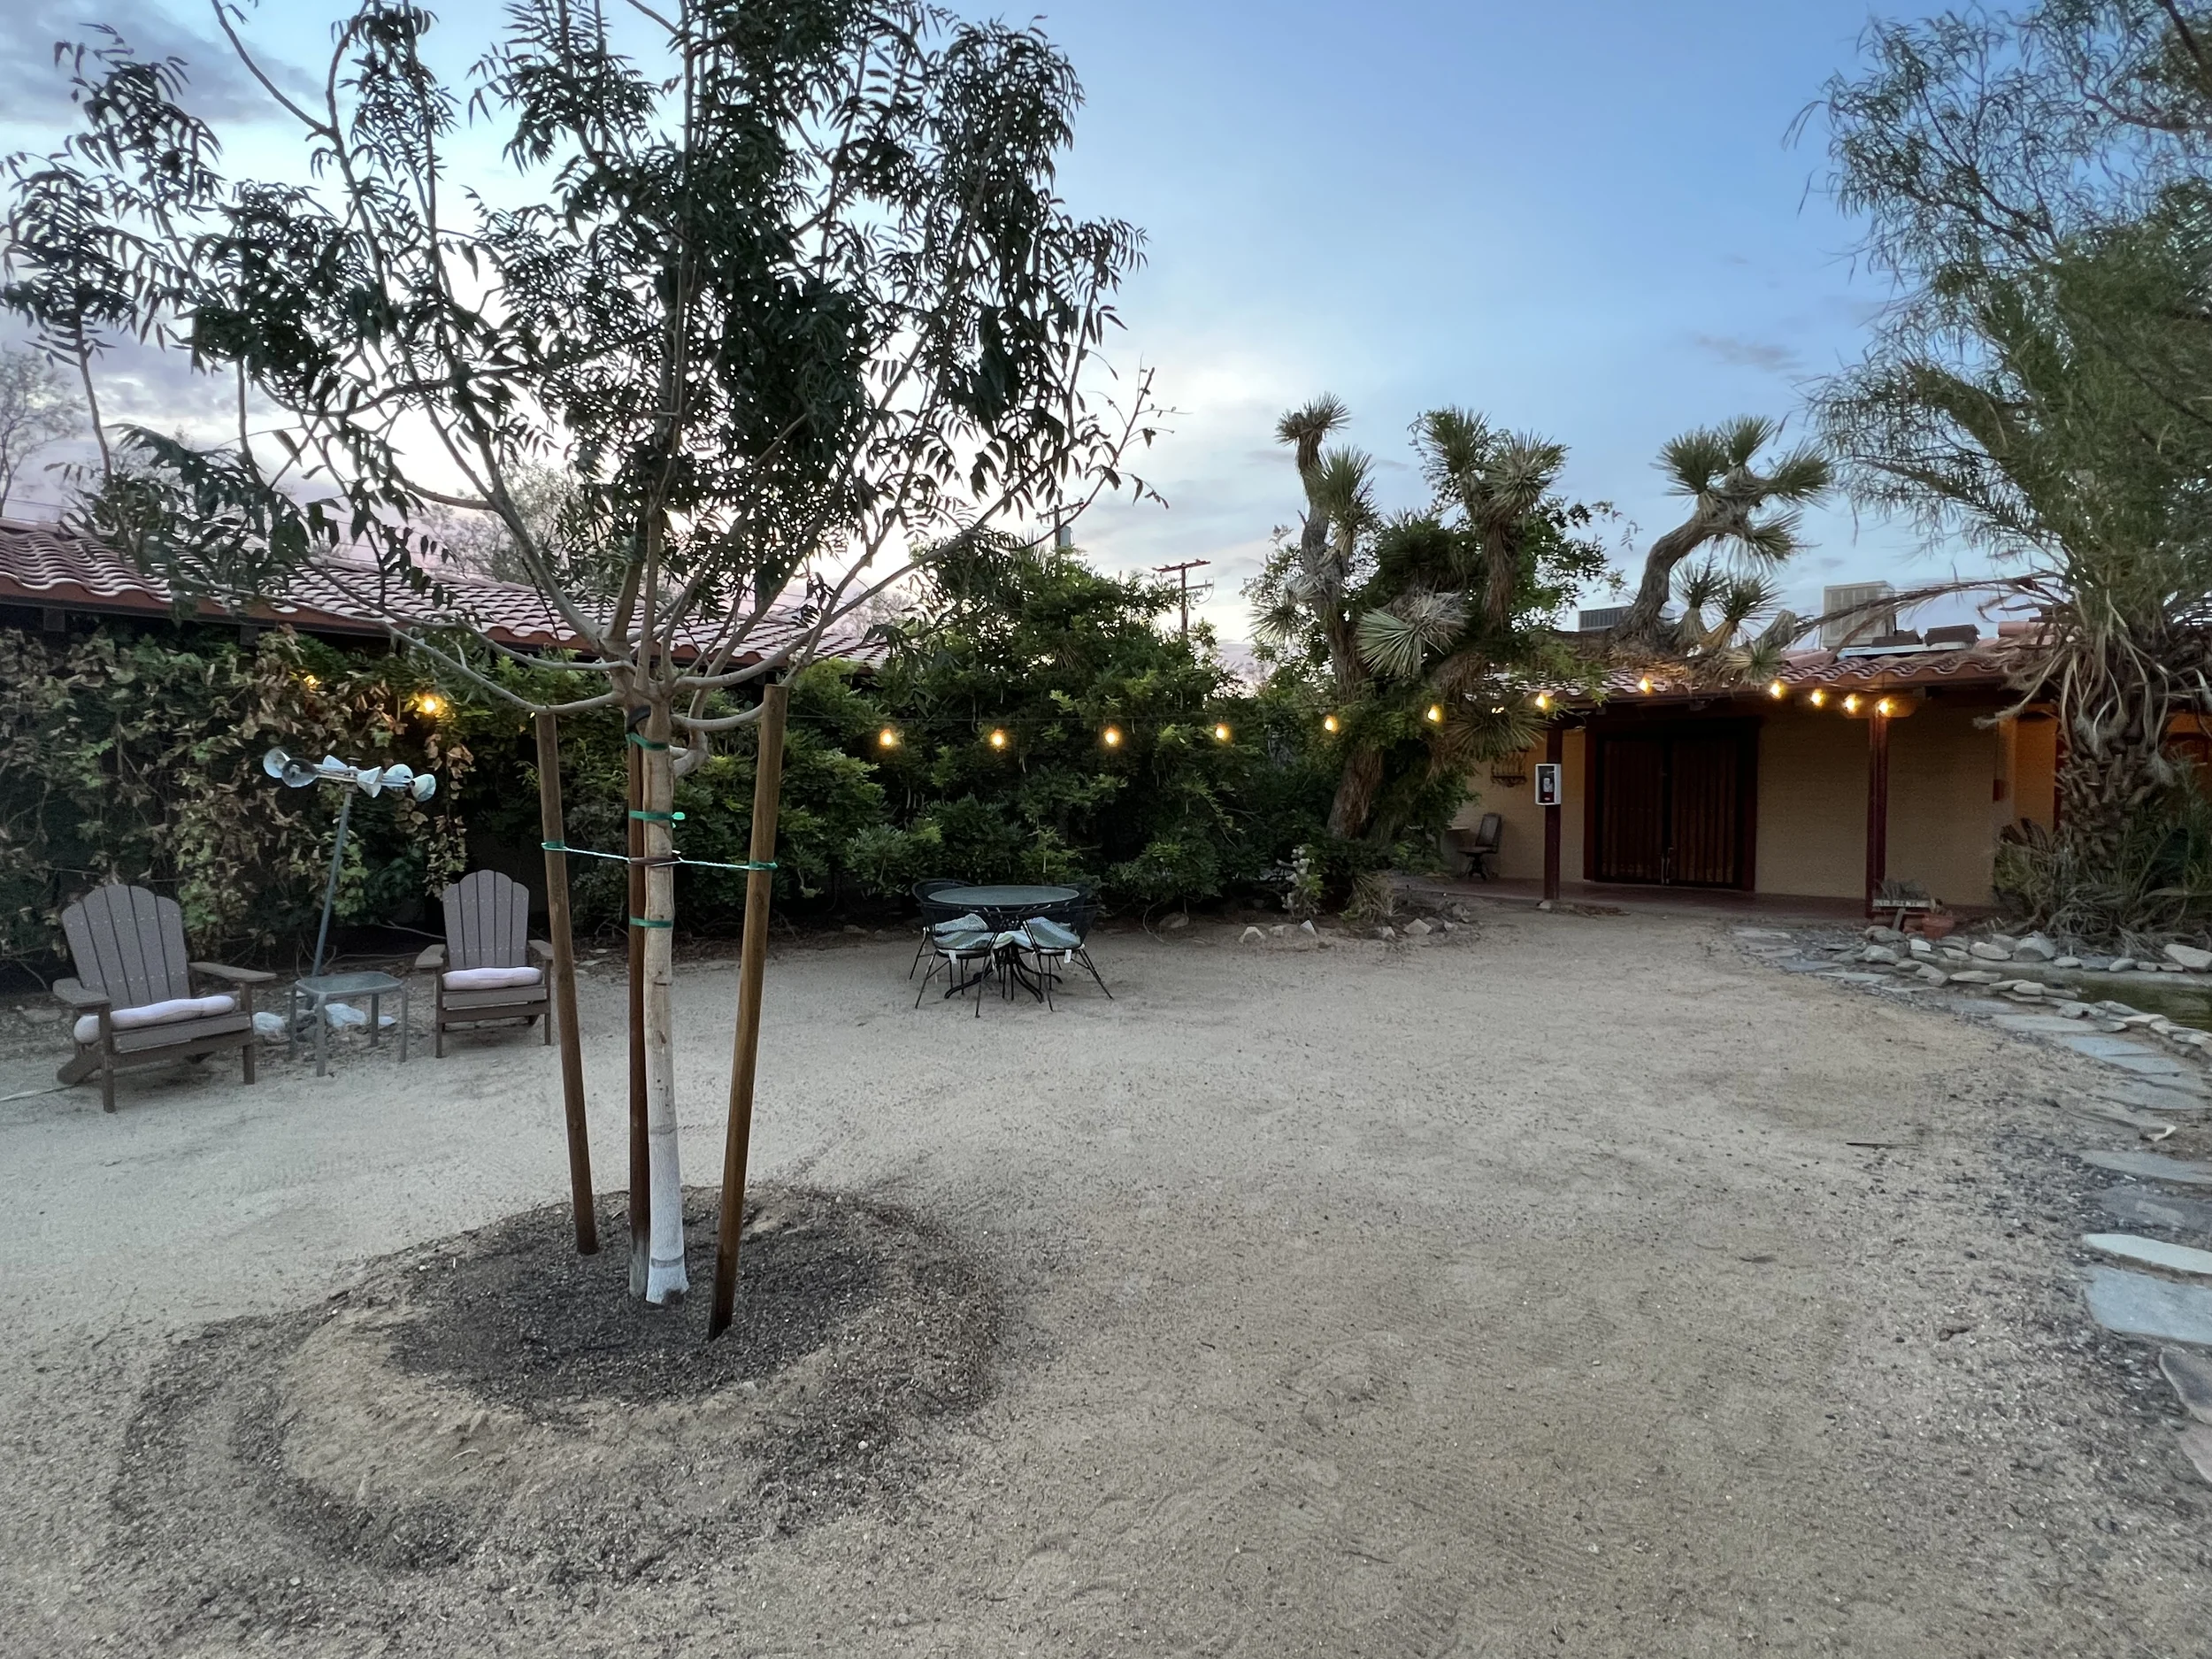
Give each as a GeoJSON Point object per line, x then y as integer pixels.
{"type": "Point", "coordinates": [956, 944]}
{"type": "Point", "coordinates": [932, 914]}
{"type": "Point", "coordinates": [134, 995]}
{"type": "Point", "coordinates": [482, 977]}
{"type": "Point", "coordinates": [1057, 940]}
{"type": "Point", "coordinates": [1479, 847]}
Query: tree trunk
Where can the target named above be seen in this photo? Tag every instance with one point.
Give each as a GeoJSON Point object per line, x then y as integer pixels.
{"type": "Point", "coordinates": [1355, 792]}
{"type": "Point", "coordinates": [2103, 784]}
{"type": "Point", "coordinates": [665, 1279]}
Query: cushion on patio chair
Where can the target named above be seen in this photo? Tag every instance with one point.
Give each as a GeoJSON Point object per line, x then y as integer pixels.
{"type": "Point", "coordinates": [164, 1013]}
{"type": "Point", "coordinates": [1046, 935]}
{"type": "Point", "coordinates": [968, 942]}
{"type": "Point", "coordinates": [969, 923]}
{"type": "Point", "coordinates": [491, 978]}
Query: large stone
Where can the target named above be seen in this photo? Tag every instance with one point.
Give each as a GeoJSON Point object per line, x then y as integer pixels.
{"type": "Point", "coordinates": [1920, 946]}
{"type": "Point", "coordinates": [2189, 957]}
{"type": "Point", "coordinates": [2196, 1446]}
{"type": "Point", "coordinates": [1281, 929]}
{"type": "Point", "coordinates": [1974, 976]}
{"type": "Point", "coordinates": [2152, 1166]}
{"type": "Point", "coordinates": [2034, 948]}
{"type": "Point", "coordinates": [2003, 941]}
{"type": "Point", "coordinates": [1988, 951]}
{"type": "Point", "coordinates": [1175, 921]}
{"type": "Point", "coordinates": [2121, 965]}
{"type": "Point", "coordinates": [2136, 1304]}
{"type": "Point", "coordinates": [1877, 953]}
{"type": "Point", "coordinates": [1251, 936]}
{"type": "Point", "coordinates": [1934, 976]}
{"type": "Point", "coordinates": [2190, 1374]}
{"type": "Point", "coordinates": [2146, 1207]}
{"type": "Point", "coordinates": [2066, 962]}
{"type": "Point", "coordinates": [1885, 936]}
{"type": "Point", "coordinates": [1416, 929]}
{"type": "Point", "coordinates": [2131, 1247]}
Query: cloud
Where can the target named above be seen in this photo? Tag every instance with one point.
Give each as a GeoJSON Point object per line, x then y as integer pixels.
{"type": "Point", "coordinates": [35, 89]}
{"type": "Point", "coordinates": [1749, 354]}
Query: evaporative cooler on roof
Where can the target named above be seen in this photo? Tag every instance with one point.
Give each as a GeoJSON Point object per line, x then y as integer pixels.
{"type": "Point", "coordinates": [1868, 625]}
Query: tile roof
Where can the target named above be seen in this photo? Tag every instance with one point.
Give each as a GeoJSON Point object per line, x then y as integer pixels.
{"type": "Point", "coordinates": [45, 565]}
{"type": "Point", "coordinates": [1986, 663]}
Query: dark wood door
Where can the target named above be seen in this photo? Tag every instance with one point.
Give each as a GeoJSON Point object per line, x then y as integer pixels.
{"type": "Point", "coordinates": [1632, 808]}
{"type": "Point", "coordinates": [1674, 807]}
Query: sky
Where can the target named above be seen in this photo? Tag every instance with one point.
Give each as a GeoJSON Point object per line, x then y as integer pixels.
{"type": "Point", "coordinates": [1582, 218]}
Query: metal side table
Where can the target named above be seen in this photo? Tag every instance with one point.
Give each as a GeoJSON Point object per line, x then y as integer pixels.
{"type": "Point", "coordinates": [317, 990]}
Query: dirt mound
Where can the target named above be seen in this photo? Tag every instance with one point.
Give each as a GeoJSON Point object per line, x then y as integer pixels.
{"type": "Point", "coordinates": [493, 1405]}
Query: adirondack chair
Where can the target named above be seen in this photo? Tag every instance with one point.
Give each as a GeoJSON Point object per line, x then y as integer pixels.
{"type": "Point", "coordinates": [134, 994]}
{"type": "Point", "coordinates": [483, 976]}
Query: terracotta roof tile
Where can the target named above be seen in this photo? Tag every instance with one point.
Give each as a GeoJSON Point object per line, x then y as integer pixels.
{"type": "Point", "coordinates": [1987, 662]}
{"type": "Point", "coordinates": [45, 565]}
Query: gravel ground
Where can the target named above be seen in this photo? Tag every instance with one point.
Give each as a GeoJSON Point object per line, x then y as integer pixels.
{"type": "Point", "coordinates": [1522, 1292]}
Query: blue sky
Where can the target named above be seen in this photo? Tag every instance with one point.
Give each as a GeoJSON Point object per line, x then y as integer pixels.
{"type": "Point", "coordinates": [1580, 217]}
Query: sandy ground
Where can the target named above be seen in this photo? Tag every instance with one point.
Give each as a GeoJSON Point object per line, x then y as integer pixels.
{"type": "Point", "coordinates": [1519, 1294]}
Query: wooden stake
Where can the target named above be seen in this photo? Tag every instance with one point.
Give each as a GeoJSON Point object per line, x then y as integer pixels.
{"type": "Point", "coordinates": [760, 885]}
{"type": "Point", "coordinates": [640, 1164]}
{"type": "Point", "coordinates": [556, 919]}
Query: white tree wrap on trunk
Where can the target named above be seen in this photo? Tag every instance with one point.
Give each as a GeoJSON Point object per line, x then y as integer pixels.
{"type": "Point", "coordinates": [665, 1279]}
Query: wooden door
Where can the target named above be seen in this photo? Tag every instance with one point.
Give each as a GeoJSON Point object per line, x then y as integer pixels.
{"type": "Point", "coordinates": [1705, 811]}
{"type": "Point", "coordinates": [1631, 801]}
{"type": "Point", "coordinates": [1672, 807]}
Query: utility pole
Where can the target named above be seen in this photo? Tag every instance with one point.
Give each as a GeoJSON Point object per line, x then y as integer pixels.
{"type": "Point", "coordinates": [1182, 574]}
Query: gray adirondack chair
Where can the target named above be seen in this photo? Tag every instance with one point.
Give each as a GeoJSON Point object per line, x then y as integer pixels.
{"type": "Point", "coordinates": [487, 925]}
{"type": "Point", "coordinates": [128, 947]}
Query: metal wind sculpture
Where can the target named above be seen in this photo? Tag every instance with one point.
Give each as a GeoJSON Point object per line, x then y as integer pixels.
{"type": "Point", "coordinates": [370, 781]}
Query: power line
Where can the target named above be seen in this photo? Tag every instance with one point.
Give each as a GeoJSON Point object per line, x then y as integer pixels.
{"type": "Point", "coordinates": [1182, 574]}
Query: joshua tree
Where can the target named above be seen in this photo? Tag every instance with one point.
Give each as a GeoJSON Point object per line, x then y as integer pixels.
{"type": "Point", "coordinates": [1733, 505]}
{"type": "Point", "coordinates": [790, 295]}
{"type": "Point", "coordinates": [1430, 626]}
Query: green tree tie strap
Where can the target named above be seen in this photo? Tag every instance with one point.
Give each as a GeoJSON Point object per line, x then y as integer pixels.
{"type": "Point", "coordinates": [657, 818]}
{"type": "Point", "coordinates": [647, 921]}
{"type": "Point", "coordinates": [644, 743]}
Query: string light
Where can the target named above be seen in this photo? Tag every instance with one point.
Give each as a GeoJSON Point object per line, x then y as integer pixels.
{"type": "Point", "coordinates": [1111, 737]}
{"type": "Point", "coordinates": [430, 703]}
{"type": "Point", "coordinates": [1329, 722]}
{"type": "Point", "coordinates": [1543, 700]}
{"type": "Point", "coordinates": [1882, 708]}
{"type": "Point", "coordinates": [1435, 714]}
{"type": "Point", "coordinates": [1851, 703]}
{"type": "Point", "coordinates": [1777, 691]}
{"type": "Point", "coordinates": [1819, 699]}
{"type": "Point", "coordinates": [1644, 684]}
{"type": "Point", "coordinates": [310, 682]}
{"type": "Point", "coordinates": [1222, 734]}
{"type": "Point", "coordinates": [887, 738]}
{"type": "Point", "coordinates": [998, 738]}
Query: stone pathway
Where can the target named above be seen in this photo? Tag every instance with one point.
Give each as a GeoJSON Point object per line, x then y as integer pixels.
{"type": "Point", "coordinates": [2149, 1063]}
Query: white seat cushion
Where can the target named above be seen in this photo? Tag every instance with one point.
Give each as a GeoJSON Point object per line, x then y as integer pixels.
{"type": "Point", "coordinates": [490, 979]}
{"type": "Point", "coordinates": [88, 1026]}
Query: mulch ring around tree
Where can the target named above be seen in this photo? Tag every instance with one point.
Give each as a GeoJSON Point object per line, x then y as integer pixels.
{"type": "Point", "coordinates": [494, 1406]}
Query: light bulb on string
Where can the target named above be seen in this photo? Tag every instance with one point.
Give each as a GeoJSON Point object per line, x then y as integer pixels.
{"type": "Point", "coordinates": [1777, 691]}
{"type": "Point", "coordinates": [887, 738]}
{"type": "Point", "coordinates": [1222, 734]}
{"type": "Point", "coordinates": [1818, 699]}
{"type": "Point", "coordinates": [430, 705]}
{"type": "Point", "coordinates": [1435, 714]}
{"type": "Point", "coordinates": [1330, 723]}
{"type": "Point", "coordinates": [998, 738]}
{"type": "Point", "coordinates": [1111, 737]}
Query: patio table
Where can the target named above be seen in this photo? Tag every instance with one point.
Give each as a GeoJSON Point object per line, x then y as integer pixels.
{"type": "Point", "coordinates": [317, 990]}
{"type": "Point", "coordinates": [1005, 907]}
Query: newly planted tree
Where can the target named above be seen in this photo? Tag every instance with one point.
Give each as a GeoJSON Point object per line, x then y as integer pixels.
{"type": "Point", "coordinates": [782, 291]}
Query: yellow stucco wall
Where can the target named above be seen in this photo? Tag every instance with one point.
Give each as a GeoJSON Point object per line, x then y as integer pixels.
{"type": "Point", "coordinates": [1521, 853]}
{"type": "Point", "coordinates": [1942, 830]}
{"type": "Point", "coordinates": [2034, 772]}
{"type": "Point", "coordinates": [1812, 805]}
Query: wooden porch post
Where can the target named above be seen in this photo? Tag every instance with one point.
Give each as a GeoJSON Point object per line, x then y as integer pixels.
{"type": "Point", "coordinates": [1555, 752]}
{"type": "Point", "coordinates": [1877, 805]}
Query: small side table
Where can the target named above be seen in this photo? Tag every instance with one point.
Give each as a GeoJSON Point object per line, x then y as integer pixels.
{"type": "Point", "coordinates": [315, 991]}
